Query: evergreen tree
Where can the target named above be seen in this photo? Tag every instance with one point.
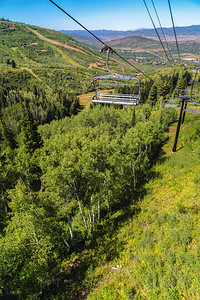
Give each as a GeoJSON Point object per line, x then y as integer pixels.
{"type": "Point", "coordinates": [145, 89]}
{"type": "Point", "coordinates": [31, 141]}
{"type": "Point", "coordinates": [30, 136]}
{"type": "Point", "coordinates": [182, 83]}
{"type": "Point", "coordinates": [153, 95]}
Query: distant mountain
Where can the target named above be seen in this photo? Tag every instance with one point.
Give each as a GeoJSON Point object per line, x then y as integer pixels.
{"type": "Point", "coordinates": [145, 45]}
{"type": "Point", "coordinates": [106, 35]}
{"type": "Point", "coordinates": [186, 32]}
{"type": "Point", "coordinates": [180, 31]}
{"type": "Point", "coordinates": [142, 28]}
{"type": "Point", "coordinates": [135, 42]}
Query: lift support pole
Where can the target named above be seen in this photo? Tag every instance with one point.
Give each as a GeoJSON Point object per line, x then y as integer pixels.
{"type": "Point", "coordinates": [179, 125]}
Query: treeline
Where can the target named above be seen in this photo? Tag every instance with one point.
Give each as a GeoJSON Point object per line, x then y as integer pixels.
{"type": "Point", "coordinates": [61, 186]}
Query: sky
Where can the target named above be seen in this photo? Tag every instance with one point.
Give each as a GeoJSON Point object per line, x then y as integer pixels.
{"type": "Point", "coordinates": [96, 14]}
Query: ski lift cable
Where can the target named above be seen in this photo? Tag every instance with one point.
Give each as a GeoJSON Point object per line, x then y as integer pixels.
{"type": "Point", "coordinates": [172, 19]}
{"type": "Point", "coordinates": [161, 28]}
{"type": "Point", "coordinates": [156, 31]}
{"type": "Point", "coordinates": [100, 40]}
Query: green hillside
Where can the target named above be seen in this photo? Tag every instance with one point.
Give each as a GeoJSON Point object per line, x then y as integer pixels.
{"type": "Point", "coordinates": [157, 249]}
{"type": "Point", "coordinates": [33, 46]}
{"type": "Point", "coordinates": [44, 67]}
{"type": "Point", "coordinates": [49, 58]}
{"type": "Point", "coordinates": [93, 204]}
{"type": "Point", "coordinates": [64, 188]}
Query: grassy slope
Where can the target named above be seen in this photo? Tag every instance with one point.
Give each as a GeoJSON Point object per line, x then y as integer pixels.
{"type": "Point", "coordinates": [34, 46]}
{"type": "Point", "coordinates": [157, 251]}
{"type": "Point", "coordinates": [53, 59]}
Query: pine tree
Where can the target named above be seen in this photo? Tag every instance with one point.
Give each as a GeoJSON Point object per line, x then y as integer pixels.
{"type": "Point", "coordinates": [30, 136]}
{"type": "Point", "coordinates": [153, 95]}
{"type": "Point", "coordinates": [31, 141]}
{"type": "Point", "coordinates": [182, 83]}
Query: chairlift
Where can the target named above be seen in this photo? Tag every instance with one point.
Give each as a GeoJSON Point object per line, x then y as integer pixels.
{"type": "Point", "coordinates": [188, 96]}
{"type": "Point", "coordinates": [111, 79]}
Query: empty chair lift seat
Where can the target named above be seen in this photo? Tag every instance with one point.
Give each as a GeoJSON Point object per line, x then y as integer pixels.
{"type": "Point", "coordinates": [111, 98]}
{"type": "Point", "coordinates": [120, 99]}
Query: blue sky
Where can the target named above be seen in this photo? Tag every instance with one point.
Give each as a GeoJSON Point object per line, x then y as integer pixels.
{"type": "Point", "coordinates": [104, 14]}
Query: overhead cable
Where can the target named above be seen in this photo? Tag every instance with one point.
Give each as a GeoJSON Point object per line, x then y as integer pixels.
{"type": "Point", "coordinates": [161, 27]}
{"type": "Point", "coordinates": [156, 31]}
{"type": "Point", "coordinates": [100, 40]}
{"type": "Point", "coordinates": [170, 9]}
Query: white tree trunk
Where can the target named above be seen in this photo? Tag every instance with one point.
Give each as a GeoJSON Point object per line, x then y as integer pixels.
{"type": "Point", "coordinates": [108, 193]}
{"type": "Point", "coordinates": [70, 228]}
{"type": "Point", "coordinates": [5, 203]}
{"type": "Point", "coordinates": [93, 216]}
{"type": "Point", "coordinates": [64, 240]}
{"type": "Point", "coordinates": [99, 209]}
{"type": "Point", "coordinates": [82, 214]}
{"type": "Point", "coordinates": [90, 218]}
{"type": "Point", "coordinates": [134, 175]}
{"type": "Point", "coordinates": [79, 203]}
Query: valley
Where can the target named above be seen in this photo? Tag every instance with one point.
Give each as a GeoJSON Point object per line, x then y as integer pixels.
{"type": "Point", "coordinates": [145, 43]}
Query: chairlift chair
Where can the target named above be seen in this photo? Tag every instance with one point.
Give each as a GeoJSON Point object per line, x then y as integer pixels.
{"type": "Point", "coordinates": [111, 98]}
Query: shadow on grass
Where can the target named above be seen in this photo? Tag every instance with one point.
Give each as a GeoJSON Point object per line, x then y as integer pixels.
{"type": "Point", "coordinates": [81, 107]}
{"type": "Point", "coordinates": [180, 148]}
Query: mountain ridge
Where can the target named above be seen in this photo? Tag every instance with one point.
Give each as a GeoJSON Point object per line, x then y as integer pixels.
{"type": "Point", "coordinates": [183, 32]}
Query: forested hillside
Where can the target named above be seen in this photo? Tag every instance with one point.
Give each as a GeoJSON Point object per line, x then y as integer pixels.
{"type": "Point", "coordinates": [62, 189]}
{"type": "Point", "coordinates": [46, 68]}
{"type": "Point", "coordinates": [72, 181]}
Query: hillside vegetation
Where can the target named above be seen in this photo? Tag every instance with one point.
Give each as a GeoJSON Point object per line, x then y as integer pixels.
{"type": "Point", "coordinates": [49, 58]}
{"type": "Point", "coordinates": [63, 189]}
{"type": "Point", "coordinates": [44, 67]}
{"type": "Point", "coordinates": [157, 254]}
{"type": "Point", "coordinates": [34, 46]}
{"type": "Point", "coordinates": [92, 202]}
